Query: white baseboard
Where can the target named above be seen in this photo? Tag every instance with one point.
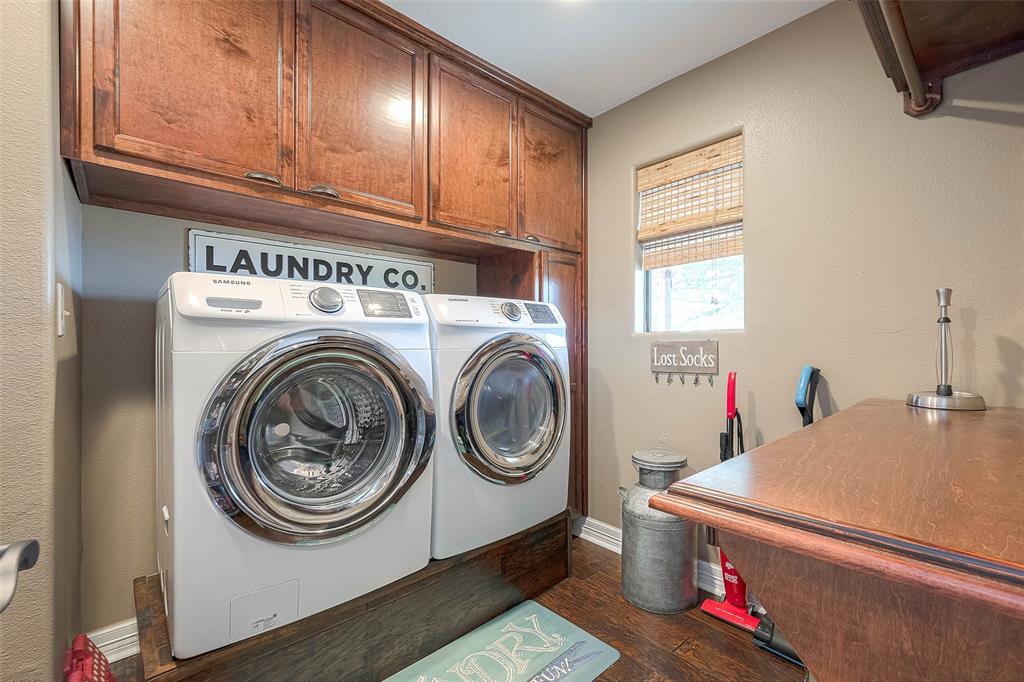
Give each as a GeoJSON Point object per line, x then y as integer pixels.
{"type": "Point", "coordinates": [117, 641]}
{"type": "Point", "coordinates": [709, 576]}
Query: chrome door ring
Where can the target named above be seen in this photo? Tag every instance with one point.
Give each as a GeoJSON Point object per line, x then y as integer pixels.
{"type": "Point", "coordinates": [238, 488]}
{"type": "Point", "coordinates": [483, 460]}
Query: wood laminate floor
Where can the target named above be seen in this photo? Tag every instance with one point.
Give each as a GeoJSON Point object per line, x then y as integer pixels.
{"type": "Point", "coordinates": [652, 648]}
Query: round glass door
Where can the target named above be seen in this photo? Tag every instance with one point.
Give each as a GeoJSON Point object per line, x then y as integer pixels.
{"type": "Point", "coordinates": [509, 409]}
{"type": "Point", "coordinates": [314, 437]}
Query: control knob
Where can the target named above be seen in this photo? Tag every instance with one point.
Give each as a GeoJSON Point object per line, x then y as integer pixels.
{"type": "Point", "coordinates": [326, 299]}
{"type": "Point", "coordinates": [511, 311]}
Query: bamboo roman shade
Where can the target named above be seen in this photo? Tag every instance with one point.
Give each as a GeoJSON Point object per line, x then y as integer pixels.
{"type": "Point", "coordinates": [693, 247]}
{"type": "Point", "coordinates": [691, 206]}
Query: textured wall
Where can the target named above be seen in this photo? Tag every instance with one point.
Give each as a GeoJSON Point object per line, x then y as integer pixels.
{"type": "Point", "coordinates": [127, 257]}
{"type": "Point", "coordinates": [855, 212]}
{"type": "Point", "coordinates": [39, 374]}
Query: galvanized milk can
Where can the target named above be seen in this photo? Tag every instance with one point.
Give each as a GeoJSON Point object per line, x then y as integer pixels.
{"type": "Point", "coordinates": [659, 550]}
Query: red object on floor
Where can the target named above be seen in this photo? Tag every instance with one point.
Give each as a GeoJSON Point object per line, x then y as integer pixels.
{"type": "Point", "coordinates": [84, 662]}
{"type": "Point", "coordinates": [734, 615]}
{"type": "Point", "coordinates": [733, 609]}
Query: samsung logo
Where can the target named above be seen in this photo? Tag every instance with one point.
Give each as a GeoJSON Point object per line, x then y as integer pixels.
{"type": "Point", "coordinates": [452, 298]}
{"type": "Point", "coordinates": [233, 281]}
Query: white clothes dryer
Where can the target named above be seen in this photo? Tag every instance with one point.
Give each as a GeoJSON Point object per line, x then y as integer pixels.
{"type": "Point", "coordinates": [294, 435]}
{"type": "Point", "coordinates": [501, 461]}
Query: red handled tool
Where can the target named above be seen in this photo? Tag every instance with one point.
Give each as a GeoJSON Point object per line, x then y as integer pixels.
{"type": "Point", "coordinates": [734, 608]}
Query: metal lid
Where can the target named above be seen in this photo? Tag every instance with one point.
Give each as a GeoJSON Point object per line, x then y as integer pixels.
{"type": "Point", "coordinates": [659, 460]}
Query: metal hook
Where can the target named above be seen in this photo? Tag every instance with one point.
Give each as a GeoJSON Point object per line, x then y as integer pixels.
{"type": "Point", "coordinates": [711, 380]}
{"type": "Point", "coordinates": [696, 380]}
{"type": "Point", "coordinates": [657, 378]}
{"type": "Point", "coordinates": [670, 378]}
{"type": "Point", "coordinates": [682, 379]}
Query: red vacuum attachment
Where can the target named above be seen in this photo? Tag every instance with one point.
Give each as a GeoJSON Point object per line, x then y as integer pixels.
{"type": "Point", "coordinates": [733, 609]}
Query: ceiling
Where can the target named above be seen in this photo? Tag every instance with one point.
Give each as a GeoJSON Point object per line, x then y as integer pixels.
{"type": "Point", "coordinates": [597, 54]}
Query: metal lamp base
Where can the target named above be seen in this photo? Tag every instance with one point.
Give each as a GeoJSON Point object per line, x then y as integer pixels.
{"type": "Point", "coordinates": [960, 400]}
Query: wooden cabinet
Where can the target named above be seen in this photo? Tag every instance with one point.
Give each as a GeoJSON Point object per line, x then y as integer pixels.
{"type": "Point", "coordinates": [562, 277]}
{"type": "Point", "coordinates": [359, 122]}
{"type": "Point", "coordinates": [472, 132]}
{"type": "Point", "coordinates": [332, 119]}
{"type": "Point", "coordinates": [550, 152]}
{"type": "Point", "coordinates": [197, 84]}
{"type": "Point", "coordinates": [337, 117]}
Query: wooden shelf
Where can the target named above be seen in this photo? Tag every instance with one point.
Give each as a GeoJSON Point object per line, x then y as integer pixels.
{"type": "Point", "coordinates": [939, 38]}
{"type": "Point", "coordinates": [275, 210]}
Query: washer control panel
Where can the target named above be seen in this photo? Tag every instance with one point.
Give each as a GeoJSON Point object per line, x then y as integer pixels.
{"type": "Point", "coordinates": [203, 295]}
{"type": "Point", "coordinates": [342, 302]}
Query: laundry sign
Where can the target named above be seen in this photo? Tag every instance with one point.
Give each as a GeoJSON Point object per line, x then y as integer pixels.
{"type": "Point", "coordinates": [233, 254]}
{"type": "Point", "coordinates": [685, 357]}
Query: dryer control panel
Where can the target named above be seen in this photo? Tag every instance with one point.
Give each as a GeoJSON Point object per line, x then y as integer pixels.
{"type": "Point", "coordinates": [483, 311]}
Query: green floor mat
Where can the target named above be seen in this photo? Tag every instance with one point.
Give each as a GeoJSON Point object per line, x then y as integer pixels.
{"type": "Point", "coordinates": [527, 644]}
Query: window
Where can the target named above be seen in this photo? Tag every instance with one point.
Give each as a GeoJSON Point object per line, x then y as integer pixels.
{"type": "Point", "coordinates": [691, 239]}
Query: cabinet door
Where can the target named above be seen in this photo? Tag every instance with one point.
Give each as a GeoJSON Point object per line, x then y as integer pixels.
{"type": "Point", "coordinates": [198, 84]}
{"type": "Point", "coordinates": [563, 286]}
{"type": "Point", "coordinates": [472, 132]}
{"type": "Point", "coordinates": [550, 179]}
{"type": "Point", "coordinates": [359, 119]}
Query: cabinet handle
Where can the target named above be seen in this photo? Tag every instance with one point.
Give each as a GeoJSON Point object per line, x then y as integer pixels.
{"type": "Point", "coordinates": [503, 232]}
{"type": "Point", "coordinates": [263, 177]}
{"type": "Point", "coordinates": [325, 190]}
{"type": "Point", "coordinates": [532, 238]}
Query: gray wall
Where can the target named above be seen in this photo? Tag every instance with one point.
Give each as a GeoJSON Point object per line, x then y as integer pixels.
{"type": "Point", "coordinates": [40, 230]}
{"type": "Point", "coordinates": [127, 257]}
{"type": "Point", "coordinates": [855, 212]}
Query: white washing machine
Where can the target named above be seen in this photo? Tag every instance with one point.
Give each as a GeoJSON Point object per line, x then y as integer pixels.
{"type": "Point", "coordinates": [501, 378]}
{"type": "Point", "coordinates": [294, 437]}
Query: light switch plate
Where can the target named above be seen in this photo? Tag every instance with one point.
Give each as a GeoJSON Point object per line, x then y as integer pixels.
{"type": "Point", "coordinates": [62, 314]}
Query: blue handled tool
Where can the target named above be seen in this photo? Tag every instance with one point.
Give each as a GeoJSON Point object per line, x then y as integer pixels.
{"type": "Point", "coordinates": [806, 389]}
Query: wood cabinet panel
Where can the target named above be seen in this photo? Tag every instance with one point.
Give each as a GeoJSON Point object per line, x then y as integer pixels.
{"type": "Point", "coordinates": [550, 155]}
{"type": "Point", "coordinates": [202, 84]}
{"type": "Point", "coordinates": [360, 115]}
{"type": "Point", "coordinates": [563, 286]}
{"type": "Point", "coordinates": [510, 274]}
{"type": "Point", "coordinates": [472, 131]}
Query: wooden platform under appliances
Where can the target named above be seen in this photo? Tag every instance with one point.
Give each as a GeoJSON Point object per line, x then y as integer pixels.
{"type": "Point", "coordinates": [376, 635]}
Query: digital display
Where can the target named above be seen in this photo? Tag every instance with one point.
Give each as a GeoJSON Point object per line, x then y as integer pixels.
{"type": "Point", "coordinates": [383, 304]}
{"type": "Point", "coordinates": [540, 314]}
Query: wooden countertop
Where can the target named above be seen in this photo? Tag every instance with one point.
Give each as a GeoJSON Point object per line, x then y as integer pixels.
{"type": "Point", "coordinates": [942, 487]}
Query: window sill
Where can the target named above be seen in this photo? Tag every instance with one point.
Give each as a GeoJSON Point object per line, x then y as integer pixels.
{"type": "Point", "coordinates": [688, 335]}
